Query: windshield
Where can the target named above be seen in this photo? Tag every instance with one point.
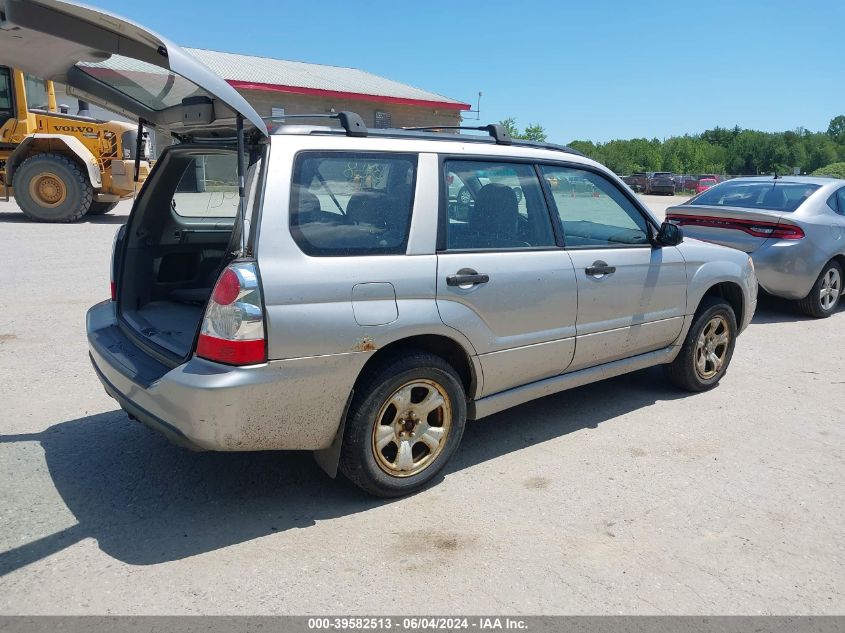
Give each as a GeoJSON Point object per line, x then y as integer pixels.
{"type": "Point", "coordinates": [780, 196]}
{"type": "Point", "coordinates": [149, 85]}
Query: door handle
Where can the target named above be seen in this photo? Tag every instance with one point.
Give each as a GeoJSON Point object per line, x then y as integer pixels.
{"type": "Point", "coordinates": [599, 269]}
{"type": "Point", "coordinates": [467, 277]}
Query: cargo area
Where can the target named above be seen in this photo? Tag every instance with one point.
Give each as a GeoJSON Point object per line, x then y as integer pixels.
{"type": "Point", "coordinates": [178, 239]}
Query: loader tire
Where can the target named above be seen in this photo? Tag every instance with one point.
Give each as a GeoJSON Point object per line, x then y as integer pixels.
{"type": "Point", "coordinates": [100, 208]}
{"type": "Point", "coordinates": [52, 188]}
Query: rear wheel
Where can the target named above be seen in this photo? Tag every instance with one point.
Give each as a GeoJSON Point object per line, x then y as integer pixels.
{"type": "Point", "coordinates": [52, 188]}
{"type": "Point", "coordinates": [101, 208]}
{"type": "Point", "coordinates": [405, 422]}
{"type": "Point", "coordinates": [707, 349]}
{"type": "Point", "coordinates": [824, 297]}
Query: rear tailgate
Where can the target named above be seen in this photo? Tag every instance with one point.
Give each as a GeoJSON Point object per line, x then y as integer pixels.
{"type": "Point", "coordinates": [735, 227]}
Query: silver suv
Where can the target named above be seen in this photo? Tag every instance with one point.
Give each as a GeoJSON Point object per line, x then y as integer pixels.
{"type": "Point", "coordinates": [317, 288]}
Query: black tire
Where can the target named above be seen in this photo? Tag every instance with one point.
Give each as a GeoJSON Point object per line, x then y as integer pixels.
{"type": "Point", "coordinates": [358, 459]}
{"type": "Point", "coordinates": [684, 372]}
{"type": "Point", "coordinates": [814, 304]}
{"type": "Point", "coordinates": [100, 208]}
{"type": "Point", "coordinates": [61, 178]}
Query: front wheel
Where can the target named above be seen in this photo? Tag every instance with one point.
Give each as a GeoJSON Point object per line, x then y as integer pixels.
{"type": "Point", "coordinates": [405, 422]}
{"type": "Point", "coordinates": [824, 297]}
{"type": "Point", "coordinates": [707, 349]}
{"type": "Point", "coordinates": [52, 188]}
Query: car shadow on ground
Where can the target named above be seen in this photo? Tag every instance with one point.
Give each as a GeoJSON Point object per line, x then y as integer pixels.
{"type": "Point", "coordinates": [146, 501]}
{"type": "Point", "coordinates": [771, 309]}
{"type": "Point", "coordinates": [17, 217]}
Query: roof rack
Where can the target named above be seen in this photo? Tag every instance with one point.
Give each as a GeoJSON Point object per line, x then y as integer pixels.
{"type": "Point", "coordinates": [498, 132]}
{"type": "Point", "coordinates": [349, 121]}
{"type": "Point", "coordinates": [353, 125]}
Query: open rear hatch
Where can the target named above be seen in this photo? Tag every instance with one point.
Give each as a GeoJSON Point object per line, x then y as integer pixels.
{"type": "Point", "coordinates": [120, 65]}
{"type": "Point", "coordinates": [185, 224]}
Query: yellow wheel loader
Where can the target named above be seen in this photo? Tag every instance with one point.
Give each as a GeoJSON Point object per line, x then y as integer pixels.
{"type": "Point", "coordinates": [60, 166]}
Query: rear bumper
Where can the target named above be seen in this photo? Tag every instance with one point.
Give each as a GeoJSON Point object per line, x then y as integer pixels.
{"type": "Point", "coordinates": [292, 404]}
{"type": "Point", "coordinates": [788, 268]}
{"type": "Point", "coordinates": [662, 188]}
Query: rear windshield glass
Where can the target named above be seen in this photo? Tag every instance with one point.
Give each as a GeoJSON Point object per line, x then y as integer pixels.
{"type": "Point", "coordinates": [781, 196]}
{"type": "Point", "coordinates": [149, 85]}
{"type": "Point", "coordinates": [351, 203]}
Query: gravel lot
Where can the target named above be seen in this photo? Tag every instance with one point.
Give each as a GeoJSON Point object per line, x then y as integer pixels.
{"type": "Point", "coordinates": [621, 497]}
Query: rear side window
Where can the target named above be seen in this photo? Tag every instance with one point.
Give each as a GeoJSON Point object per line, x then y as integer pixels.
{"type": "Point", "coordinates": [775, 196]}
{"type": "Point", "coordinates": [352, 203]}
{"type": "Point", "coordinates": [495, 205]}
{"type": "Point", "coordinates": [839, 206]}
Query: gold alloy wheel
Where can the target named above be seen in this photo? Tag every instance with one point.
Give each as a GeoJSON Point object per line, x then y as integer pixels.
{"type": "Point", "coordinates": [711, 349]}
{"type": "Point", "coordinates": [412, 428]}
{"type": "Point", "coordinates": [48, 190]}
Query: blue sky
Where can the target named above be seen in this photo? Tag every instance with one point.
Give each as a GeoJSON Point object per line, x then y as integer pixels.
{"type": "Point", "coordinates": [594, 70]}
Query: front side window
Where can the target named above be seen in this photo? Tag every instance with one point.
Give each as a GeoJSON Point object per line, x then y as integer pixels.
{"type": "Point", "coordinates": [495, 205]}
{"type": "Point", "coordinates": [593, 212]}
{"type": "Point", "coordinates": [352, 203]}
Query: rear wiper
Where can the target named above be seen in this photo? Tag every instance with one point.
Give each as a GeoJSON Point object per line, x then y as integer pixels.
{"type": "Point", "coordinates": [330, 192]}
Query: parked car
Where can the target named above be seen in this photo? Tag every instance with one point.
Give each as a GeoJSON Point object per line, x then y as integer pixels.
{"type": "Point", "coordinates": [638, 181]}
{"type": "Point", "coordinates": [691, 182]}
{"type": "Point", "coordinates": [793, 228]}
{"type": "Point", "coordinates": [704, 184]}
{"type": "Point", "coordinates": [661, 183]}
{"type": "Point", "coordinates": [335, 309]}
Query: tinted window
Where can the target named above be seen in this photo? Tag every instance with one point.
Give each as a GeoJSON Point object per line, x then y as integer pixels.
{"type": "Point", "coordinates": [593, 212]}
{"type": "Point", "coordinates": [840, 199]}
{"type": "Point", "coordinates": [497, 205]}
{"type": "Point", "coordinates": [350, 203]}
{"type": "Point", "coordinates": [777, 196]}
{"type": "Point", "coordinates": [831, 202]}
{"type": "Point", "coordinates": [147, 84]}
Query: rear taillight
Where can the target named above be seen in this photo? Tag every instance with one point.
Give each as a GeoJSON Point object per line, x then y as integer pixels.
{"type": "Point", "coordinates": [752, 227]}
{"type": "Point", "coordinates": [232, 330]}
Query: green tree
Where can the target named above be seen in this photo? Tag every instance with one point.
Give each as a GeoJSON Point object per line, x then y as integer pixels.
{"type": "Point", "coordinates": [724, 150]}
{"type": "Point", "coordinates": [534, 132]}
{"type": "Point", "coordinates": [836, 129]}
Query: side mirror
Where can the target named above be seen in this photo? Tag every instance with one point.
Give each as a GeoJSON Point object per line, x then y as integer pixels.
{"type": "Point", "coordinates": [669, 235]}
